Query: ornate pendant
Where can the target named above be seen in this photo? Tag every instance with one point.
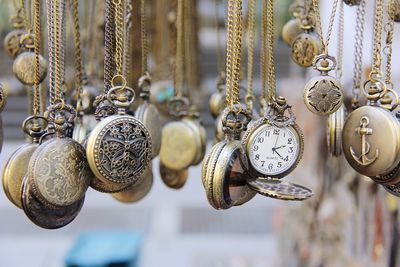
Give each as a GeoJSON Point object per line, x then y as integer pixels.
{"type": "Point", "coordinates": [323, 95]}
{"type": "Point", "coordinates": [305, 47]}
{"type": "Point", "coordinates": [11, 43]}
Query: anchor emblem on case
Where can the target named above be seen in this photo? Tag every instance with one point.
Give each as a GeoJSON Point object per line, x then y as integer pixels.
{"type": "Point", "coordinates": [363, 131]}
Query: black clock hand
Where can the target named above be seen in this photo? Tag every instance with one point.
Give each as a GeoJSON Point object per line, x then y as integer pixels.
{"type": "Point", "coordinates": [274, 149]}
{"type": "Point", "coordinates": [276, 142]}
{"type": "Point", "coordinates": [280, 147]}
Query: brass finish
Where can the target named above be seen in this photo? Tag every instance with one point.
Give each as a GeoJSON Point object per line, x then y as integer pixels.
{"type": "Point", "coordinates": [323, 94]}
{"type": "Point", "coordinates": [334, 127]}
{"type": "Point", "coordinates": [12, 43]}
{"type": "Point", "coordinates": [352, 2]}
{"type": "Point", "coordinates": [107, 186]}
{"type": "Point", "coordinates": [137, 191]}
{"type": "Point", "coordinates": [371, 140]}
{"type": "Point", "coordinates": [15, 170]}
{"type": "Point", "coordinates": [80, 131]}
{"type": "Point", "coordinates": [24, 68]}
{"type": "Point", "coordinates": [393, 189]}
{"type": "Point", "coordinates": [59, 172]}
{"type": "Point", "coordinates": [305, 47]}
{"type": "Point", "coordinates": [87, 97]}
{"type": "Point", "coordinates": [219, 133]}
{"type": "Point", "coordinates": [279, 189]}
{"type": "Point", "coordinates": [41, 215]}
{"type": "Point", "coordinates": [291, 30]}
{"type": "Point", "coordinates": [394, 7]}
{"type": "Point", "coordinates": [148, 114]}
{"type": "Point", "coordinates": [172, 178]}
{"type": "Point", "coordinates": [217, 103]}
{"type": "Point", "coordinates": [392, 178]}
{"type": "Point", "coordinates": [3, 98]}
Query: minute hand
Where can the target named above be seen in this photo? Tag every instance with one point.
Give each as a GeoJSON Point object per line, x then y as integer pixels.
{"type": "Point", "coordinates": [274, 149]}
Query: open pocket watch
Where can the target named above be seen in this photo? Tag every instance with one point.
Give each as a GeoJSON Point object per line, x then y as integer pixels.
{"type": "Point", "coordinates": [371, 134]}
{"type": "Point", "coordinates": [148, 114]}
{"type": "Point", "coordinates": [119, 147]}
{"type": "Point", "coordinates": [274, 144]}
{"type": "Point", "coordinates": [16, 166]}
{"type": "Point", "coordinates": [225, 167]}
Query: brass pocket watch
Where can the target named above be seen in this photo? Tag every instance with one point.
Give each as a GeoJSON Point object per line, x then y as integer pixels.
{"type": "Point", "coordinates": [307, 45]}
{"type": "Point", "coordinates": [217, 101]}
{"type": "Point", "coordinates": [274, 144]}
{"type": "Point", "coordinates": [12, 39]}
{"type": "Point", "coordinates": [148, 114]}
{"type": "Point", "coordinates": [139, 190]}
{"type": "Point", "coordinates": [323, 94]}
{"type": "Point", "coordinates": [119, 147]}
{"type": "Point", "coordinates": [292, 28]}
{"type": "Point", "coordinates": [40, 213]}
{"type": "Point", "coordinates": [225, 166]}
{"type": "Point", "coordinates": [172, 178]}
{"type": "Point", "coordinates": [24, 64]}
{"type": "Point", "coordinates": [371, 134]}
{"type": "Point", "coordinates": [16, 166]}
{"type": "Point", "coordinates": [80, 131]}
{"type": "Point", "coordinates": [334, 127]}
{"type": "Point", "coordinates": [58, 172]}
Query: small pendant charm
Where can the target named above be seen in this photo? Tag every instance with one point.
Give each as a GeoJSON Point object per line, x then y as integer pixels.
{"type": "Point", "coordinates": [323, 94]}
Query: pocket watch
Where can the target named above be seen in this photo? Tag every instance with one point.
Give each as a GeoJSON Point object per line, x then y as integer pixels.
{"type": "Point", "coordinates": [119, 147]}
{"type": "Point", "coordinates": [334, 127]}
{"type": "Point", "coordinates": [292, 28]}
{"type": "Point", "coordinates": [161, 93]}
{"type": "Point", "coordinates": [137, 191]}
{"type": "Point", "coordinates": [217, 101]}
{"type": "Point", "coordinates": [225, 166]}
{"type": "Point", "coordinates": [148, 114]}
{"type": "Point", "coordinates": [24, 63]}
{"type": "Point", "coordinates": [274, 144]}
{"type": "Point", "coordinates": [218, 131]}
{"type": "Point", "coordinates": [16, 166]}
{"type": "Point", "coordinates": [12, 39]}
{"type": "Point", "coordinates": [352, 2]}
{"type": "Point", "coordinates": [307, 45]}
{"type": "Point", "coordinates": [323, 94]}
{"type": "Point", "coordinates": [371, 134]}
{"type": "Point", "coordinates": [172, 178]}
{"type": "Point", "coordinates": [58, 170]}
{"type": "Point", "coordinates": [43, 216]}
{"type": "Point", "coordinates": [107, 186]}
{"type": "Point", "coordinates": [80, 131]}
{"type": "Point", "coordinates": [276, 188]}
{"type": "Point", "coordinates": [87, 96]}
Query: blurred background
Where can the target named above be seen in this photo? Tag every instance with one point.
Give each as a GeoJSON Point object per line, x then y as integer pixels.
{"type": "Point", "coordinates": [348, 222]}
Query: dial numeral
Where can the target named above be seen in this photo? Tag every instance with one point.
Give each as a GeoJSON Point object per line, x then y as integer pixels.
{"type": "Point", "coordinates": [290, 140]}
{"type": "Point", "coordinates": [276, 131]}
{"type": "Point", "coordinates": [257, 156]}
{"type": "Point", "coordinates": [286, 158]}
{"type": "Point", "coordinates": [290, 149]}
{"type": "Point", "coordinates": [279, 164]}
{"type": "Point", "coordinates": [262, 163]}
{"type": "Point", "coordinates": [260, 139]}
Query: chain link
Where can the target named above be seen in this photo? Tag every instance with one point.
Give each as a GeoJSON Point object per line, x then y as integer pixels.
{"type": "Point", "coordinates": [127, 40]}
{"type": "Point", "coordinates": [340, 46]}
{"type": "Point", "coordinates": [189, 48]}
{"type": "Point", "coordinates": [109, 45]}
{"type": "Point", "coordinates": [37, 42]}
{"type": "Point", "coordinates": [250, 52]}
{"type": "Point", "coordinates": [180, 50]}
{"type": "Point", "coordinates": [24, 16]}
{"type": "Point", "coordinates": [220, 60]}
{"type": "Point", "coordinates": [388, 49]}
{"type": "Point", "coordinates": [358, 52]}
{"type": "Point", "coordinates": [271, 60]}
{"type": "Point", "coordinates": [119, 35]}
{"type": "Point", "coordinates": [378, 23]}
{"type": "Point", "coordinates": [264, 54]}
{"type": "Point", "coordinates": [143, 36]}
{"type": "Point", "coordinates": [77, 43]}
{"type": "Point", "coordinates": [238, 31]}
{"type": "Point", "coordinates": [318, 26]}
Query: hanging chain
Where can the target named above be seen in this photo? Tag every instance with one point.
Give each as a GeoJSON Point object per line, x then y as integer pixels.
{"type": "Point", "coordinates": [109, 45]}
{"type": "Point", "coordinates": [50, 22]}
{"type": "Point", "coordinates": [189, 48]}
{"type": "Point", "coordinates": [340, 46]}
{"type": "Point", "coordinates": [358, 52]}
{"type": "Point", "coordinates": [24, 16]}
{"type": "Point", "coordinates": [127, 39]}
{"type": "Point", "coordinates": [37, 42]}
{"type": "Point", "coordinates": [378, 23]}
{"type": "Point", "coordinates": [143, 36]}
{"type": "Point", "coordinates": [179, 56]}
{"type": "Point", "coordinates": [119, 35]}
{"type": "Point", "coordinates": [237, 41]}
{"type": "Point", "coordinates": [220, 60]}
{"type": "Point", "coordinates": [250, 53]}
{"type": "Point", "coordinates": [271, 60]}
{"type": "Point", "coordinates": [77, 43]}
{"type": "Point", "coordinates": [388, 49]}
{"type": "Point", "coordinates": [318, 26]}
{"type": "Point", "coordinates": [264, 55]}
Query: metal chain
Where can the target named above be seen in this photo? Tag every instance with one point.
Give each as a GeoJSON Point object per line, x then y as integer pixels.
{"type": "Point", "coordinates": [358, 52]}
{"type": "Point", "coordinates": [143, 36]}
{"type": "Point", "coordinates": [340, 46]}
{"type": "Point", "coordinates": [388, 49]}
{"type": "Point", "coordinates": [264, 55]}
{"type": "Point", "coordinates": [179, 56]}
{"type": "Point", "coordinates": [220, 60]}
{"type": "Point", "coordinates": [318, 26]}
{"type": "Point", "coordinates": [237, 44]}
{"type": "Point", "coordinates": [50, 45]}
{"type": "Point", "coordinates": [271, 60]}
{"type": "Point", "coordinates": [63, 40]}
{"type": "Point", "coordinates": [250, 52]}
{"type": "Point", "coordinates": [378, 23]}
{"type": "Point", "coordinates": [37, 42]}
{"type": "Point", "coordinates": [24, 16]}
{"type": "Point", "coordinates": [77, 43]}
{"type": "Point", "coordinates": [119, 34]}
{"type": "Point", "coordinates": [189, 48]}
{"type": "Point", "coordinates": [109, 45]}
{"type": "Point", "coordinates": [127, 39]}
{"type": "Point", "coordinates": [229, 50]}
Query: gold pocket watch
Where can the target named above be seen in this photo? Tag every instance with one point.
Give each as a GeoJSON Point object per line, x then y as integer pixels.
{"type": "Point", "coordinates": [334, 127]}
{"type": "Point", "coordinates": [225, 166]}
{"type": "Point", "coordinates": [217, 99]}
{"type": "Point", "coordinates": [371, 134]}
{"type": "Point", "coordinates": [148, 114]}
{"type": "Point", "coordinates": [58, 170]}
{"type": "Point", "coordinates": [352, 2]}
{"type": "Point", "coordinates": [274, 144]}
{"type": "Point", "coordinates": [12, 39]}
{"type": "Point", "coordinates": [43, 216]}
{"type": "Point", "coordinates": [24, 64]}
{"type": "Point", "coordinates": [138, 191]}
{"type": "Point", "coordinates": [292, 28]}
{"type": "Point", "coordinates": [16, 166]}
{"type": "Point", "coordinates": [172, 178]}
{"type": "Point", "coordinates": [323, 94]}
{"type": "Point", "coordinates": [119, 147]}
{"type": "Point", "coordinates": [307, 45]}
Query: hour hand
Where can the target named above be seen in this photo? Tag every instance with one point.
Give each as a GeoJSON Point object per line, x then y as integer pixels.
{"type": "Point", "coordinates": [280, 147]}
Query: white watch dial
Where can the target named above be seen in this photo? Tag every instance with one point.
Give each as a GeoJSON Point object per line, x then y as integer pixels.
{"type": "Point", "coordinates": [274, 150]}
